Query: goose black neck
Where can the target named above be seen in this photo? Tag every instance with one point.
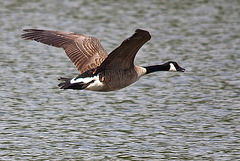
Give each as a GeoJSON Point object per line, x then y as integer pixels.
{"type": "Point", "coordinates": [155, 68]}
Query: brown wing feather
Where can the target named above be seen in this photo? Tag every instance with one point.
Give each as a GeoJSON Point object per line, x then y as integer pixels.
{"type": "Point", "coordinates": [84, 51]}
{"type": "Point", "coordinates": [122, 57]}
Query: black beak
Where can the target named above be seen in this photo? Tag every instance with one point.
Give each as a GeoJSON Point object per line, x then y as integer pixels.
{"type": "Point", "coordinates": [180, 69]}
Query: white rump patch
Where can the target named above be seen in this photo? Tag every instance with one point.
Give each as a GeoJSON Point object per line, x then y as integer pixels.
{"type": "Point", "coordinates": [82, 80]}
{"type": "Point", "coordinates": [95, 86]}
{"type": "Point", "coordinates": [172, 68]}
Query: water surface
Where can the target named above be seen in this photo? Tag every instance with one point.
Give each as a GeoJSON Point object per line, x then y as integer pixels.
{"type": "Point", "coordinates": [164, 116]}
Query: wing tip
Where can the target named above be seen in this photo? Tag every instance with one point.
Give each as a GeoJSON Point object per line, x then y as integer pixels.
{"type": "Point", "coordinates": [143, 33]}
{"type": "Point", "coordinates": [141, 30]}
{"type": "Point", "coordinates": [27, 30]}
{"type": "Point", "coordinates": [27, 36]}
{"type": "Point", "coordinates": [33, 30]}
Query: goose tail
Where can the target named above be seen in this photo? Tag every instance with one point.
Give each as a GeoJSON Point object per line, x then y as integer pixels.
{"type": "Point", "coordinates": [66, 84]}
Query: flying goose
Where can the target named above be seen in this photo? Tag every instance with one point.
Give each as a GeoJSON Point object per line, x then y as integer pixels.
{"type": "Point", "coordinates": [98, 70]}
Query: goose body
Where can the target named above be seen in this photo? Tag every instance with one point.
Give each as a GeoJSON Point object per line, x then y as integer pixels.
{"type": "Point", "coordinates": [98, 70]}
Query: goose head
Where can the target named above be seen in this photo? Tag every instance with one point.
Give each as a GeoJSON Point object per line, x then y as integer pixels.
{"type": "Point", "coordinates": [173, 66]}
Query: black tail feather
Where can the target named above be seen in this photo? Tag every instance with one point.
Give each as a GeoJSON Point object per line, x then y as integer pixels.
{"type": "Point", "coordinates": [66, 84]}
{"type": "Point", "coordinates": [64, 79]}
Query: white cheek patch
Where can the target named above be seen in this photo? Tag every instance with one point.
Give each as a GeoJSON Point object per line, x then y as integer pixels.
{"type": "Point", "coordinates": [172, 68]}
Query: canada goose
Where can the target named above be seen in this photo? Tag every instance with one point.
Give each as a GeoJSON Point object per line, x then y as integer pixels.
{"type": "Point", "coordinates": [98, 70]}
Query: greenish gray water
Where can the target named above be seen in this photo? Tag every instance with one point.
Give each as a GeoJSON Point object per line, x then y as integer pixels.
{"type": "Point", "coordinates": [164, 116]}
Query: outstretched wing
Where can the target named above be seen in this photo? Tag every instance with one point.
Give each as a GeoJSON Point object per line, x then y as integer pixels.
{"type": "Point", "coordinates": [84, 51]}
{"type": "Point", "coordinates": [122, 57]}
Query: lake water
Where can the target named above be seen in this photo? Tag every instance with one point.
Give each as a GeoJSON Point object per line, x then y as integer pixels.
{"type": "Point", "coordinates": [193, 115]}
